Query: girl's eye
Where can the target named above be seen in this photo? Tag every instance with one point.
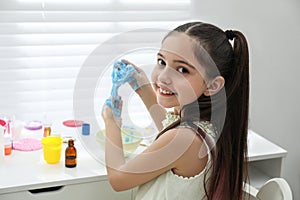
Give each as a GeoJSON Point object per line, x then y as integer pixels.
{"type": "Point", "coordinates": [183, 70]}
{"type": "Point", "coordinates": [161, 62]}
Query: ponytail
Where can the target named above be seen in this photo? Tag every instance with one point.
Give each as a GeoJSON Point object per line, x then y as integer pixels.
{"type": "Point", "coordinates": [231, 163]}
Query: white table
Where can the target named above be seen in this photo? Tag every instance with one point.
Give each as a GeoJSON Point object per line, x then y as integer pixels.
{"type": "Point", "coordinates": [25, 175]}
{"type": "Point", "coordinates": [266, 159]}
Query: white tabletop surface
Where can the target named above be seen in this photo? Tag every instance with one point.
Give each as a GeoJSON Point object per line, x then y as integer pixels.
{"type": "Point", "coordinates": [259, 148]}
{"type": "Point", "coordinates": [28, 170]}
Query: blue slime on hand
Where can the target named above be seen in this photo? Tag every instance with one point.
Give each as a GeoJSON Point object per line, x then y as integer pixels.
{"type": "Point", "coordinates": [122, 73]}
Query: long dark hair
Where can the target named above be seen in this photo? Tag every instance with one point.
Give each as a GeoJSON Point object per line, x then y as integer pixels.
{"type": "Point", "coordinates": [229, 155]}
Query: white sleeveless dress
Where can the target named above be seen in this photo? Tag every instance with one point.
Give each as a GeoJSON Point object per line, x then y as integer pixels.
{"type": "Point", "coordinates": [169, 186]}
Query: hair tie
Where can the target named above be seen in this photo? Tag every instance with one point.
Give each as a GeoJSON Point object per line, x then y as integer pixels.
{"type": "Point", "coordinates": [229, 34]}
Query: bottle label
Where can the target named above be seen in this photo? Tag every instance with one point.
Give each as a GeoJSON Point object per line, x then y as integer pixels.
{"type": "Point", "coordinates": [7, 149]}
{"type": "Point", "coordinates": [70, 157]}
{"type": "Point", "coordinates": [71, 161]}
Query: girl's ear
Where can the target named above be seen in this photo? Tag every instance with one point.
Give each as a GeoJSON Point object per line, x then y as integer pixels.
{"type": "Point", "coordinates": [215, 86]}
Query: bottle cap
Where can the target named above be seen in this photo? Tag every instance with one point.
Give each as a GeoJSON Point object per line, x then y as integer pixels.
{"type": "Point", "coordinates": [71, 142]}
{"type": "Point", "coordinates": [2, 122]}
{"type": "Point", "coordinates": [85, 129]}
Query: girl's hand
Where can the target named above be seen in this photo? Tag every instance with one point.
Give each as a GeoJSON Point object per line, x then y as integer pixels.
{"type": "Point", "coordinates": [108, 114]}
{"type": "Point", "coordinates": [140, 77]}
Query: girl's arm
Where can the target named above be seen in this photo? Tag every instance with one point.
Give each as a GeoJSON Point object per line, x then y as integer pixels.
{"type": "Point", "coordinates": [172, 150]}
{"type": "Point", "coordinates": [148, 96]}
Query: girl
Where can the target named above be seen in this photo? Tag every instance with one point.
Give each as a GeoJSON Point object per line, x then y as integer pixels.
{"type": "Point", "coordinates": [203, 153]}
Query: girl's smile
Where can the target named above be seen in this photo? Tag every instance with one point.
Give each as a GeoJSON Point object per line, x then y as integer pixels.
{"type": "Point", "coordinates": [165, 92]}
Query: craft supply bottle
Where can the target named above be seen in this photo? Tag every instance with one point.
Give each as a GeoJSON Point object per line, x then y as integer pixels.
{"type": "Point", "coordinates": [70, 155]}
{"type": "Point", "coordinates": [7, 144]}
{"type": "Point", "coordinates": [8, 138]}
{"type": "Point", "coordinates": [85, 130]}
{"type": "Point", "coordinates": [47, 126]}
{"type": "Point", "coordinates": [47, 130]}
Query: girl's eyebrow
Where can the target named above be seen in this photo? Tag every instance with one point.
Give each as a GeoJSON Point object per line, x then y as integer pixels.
{"type": "Point", "coordinates": [179, 61]}
{"type": "Point", "coordinates": [159, 54]}
{"type": "Point", "coordinates": [184, 62]}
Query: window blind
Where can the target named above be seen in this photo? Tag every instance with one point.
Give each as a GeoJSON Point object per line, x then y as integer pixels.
{"type": "Point", "coordinates": [44, 43]}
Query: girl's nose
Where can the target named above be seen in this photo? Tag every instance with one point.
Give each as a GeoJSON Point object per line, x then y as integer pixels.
{"type": "Point", "coordinates": [165, 76]}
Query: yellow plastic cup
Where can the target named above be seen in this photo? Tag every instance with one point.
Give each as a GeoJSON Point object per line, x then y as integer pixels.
{"type": "Point", "coordinates": [52, 149]}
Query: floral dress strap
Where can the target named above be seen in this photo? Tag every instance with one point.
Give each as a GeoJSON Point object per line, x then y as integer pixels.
{"type": "Point", "coordinates": [170, 118]}
{"type": "Point", "coordinates": [205, 130]}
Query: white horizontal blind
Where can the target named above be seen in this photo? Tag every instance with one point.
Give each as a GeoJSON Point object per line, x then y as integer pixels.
{"type": "Point", "coordinates": [43, 44]}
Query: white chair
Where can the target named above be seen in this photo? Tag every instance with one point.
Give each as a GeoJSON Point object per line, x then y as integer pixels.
{"type": "Point", "coordinates": [273, 189]}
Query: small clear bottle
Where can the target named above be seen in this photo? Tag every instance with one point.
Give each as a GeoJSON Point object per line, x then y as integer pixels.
{"type": "Point", "coordinates": [7, 144]}
{"type": "Point", "coordinates": [70, 155]}
{"type": "Point", "coordinates": [47, 130]}
{"type": "Point", "coordinates": [47, 126]}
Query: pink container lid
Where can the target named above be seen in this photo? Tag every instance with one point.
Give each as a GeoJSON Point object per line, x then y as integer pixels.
{"type": "Point", "coordinates": [73, 123]}
{"type": "Point", "coordinates": [27, 144]}
{"type": "Point", "coordinates": [33, 125]}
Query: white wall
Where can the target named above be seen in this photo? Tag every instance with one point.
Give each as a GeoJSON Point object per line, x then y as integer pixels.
{"type": "Point", "coordinates": [273, 31]}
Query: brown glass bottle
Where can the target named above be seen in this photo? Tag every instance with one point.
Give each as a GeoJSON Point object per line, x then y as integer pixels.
{"type": "Point", "coordinates": [70, 155]}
